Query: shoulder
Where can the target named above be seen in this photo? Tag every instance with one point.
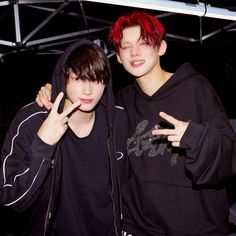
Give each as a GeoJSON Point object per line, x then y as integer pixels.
{"type": "Point", "coordinates": [30, 116]}
{"type": "Point", "coordinates": [125, 94]}
{"type": "Point", "coordinates": [126, 90]}
{"type": "Point", "coordinates": [32, 110]}
{"type": "Point", "coordinates": [192, 78]}
{"type": "Point", "coordinates": [24, 126]}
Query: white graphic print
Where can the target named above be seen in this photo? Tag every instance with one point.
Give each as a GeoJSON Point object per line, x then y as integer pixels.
{"type": "Point", "coordinates": [126, 234]}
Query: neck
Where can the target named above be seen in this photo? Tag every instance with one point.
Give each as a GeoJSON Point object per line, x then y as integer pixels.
{"type": "Point", "coordinates": [152, 81]}
{"type": "Point", "coordinates": [81, 122]}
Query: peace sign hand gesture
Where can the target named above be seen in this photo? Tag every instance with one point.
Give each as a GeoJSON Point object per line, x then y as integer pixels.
{"type": "Point", "coordinates": [173, 135]}
{"type": "Point", "coordinates": [56, 125]}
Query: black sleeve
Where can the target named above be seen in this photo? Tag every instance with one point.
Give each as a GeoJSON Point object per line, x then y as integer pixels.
{"type": "Point", "coordinates": [211, 144]}
{"type": "Point", "coordinates": [25, 163]}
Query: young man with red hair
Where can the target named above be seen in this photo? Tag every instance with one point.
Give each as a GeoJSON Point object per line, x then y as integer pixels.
{"type": "Point", "coordinates": [181, 146]}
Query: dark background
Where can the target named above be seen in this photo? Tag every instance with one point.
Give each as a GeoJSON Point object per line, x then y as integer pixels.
{"type": "Point", "coordinates": [24, 69]}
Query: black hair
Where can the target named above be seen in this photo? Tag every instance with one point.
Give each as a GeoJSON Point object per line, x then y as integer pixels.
{"type": "Point", "coordinates": [89, 63]}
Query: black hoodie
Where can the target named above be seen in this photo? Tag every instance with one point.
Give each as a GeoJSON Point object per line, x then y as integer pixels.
{"type": "Point", "coordinates": [178, 191]}
{"type": "Point", "coordinates": [31, 170]}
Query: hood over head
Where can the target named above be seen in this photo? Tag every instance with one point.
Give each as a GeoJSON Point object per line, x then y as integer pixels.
{"type": "Point", "coordinates": [59, 79]}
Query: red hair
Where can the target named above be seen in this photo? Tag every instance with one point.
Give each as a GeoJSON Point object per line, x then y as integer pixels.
{"type": "Point", "coordinates": [152, 31]}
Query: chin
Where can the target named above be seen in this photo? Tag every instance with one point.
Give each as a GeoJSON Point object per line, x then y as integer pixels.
{"type": "Point", "coordinates": [87, 109]}
{"type": "Point", "coordinates": [136, 73]}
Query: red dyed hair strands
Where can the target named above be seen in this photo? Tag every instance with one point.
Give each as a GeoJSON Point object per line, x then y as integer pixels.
{"type": "Point", "coordinates": [152, 31]}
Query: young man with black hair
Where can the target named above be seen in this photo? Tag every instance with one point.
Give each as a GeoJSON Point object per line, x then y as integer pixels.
{"type": "Point", "coordinates": [61, 166]}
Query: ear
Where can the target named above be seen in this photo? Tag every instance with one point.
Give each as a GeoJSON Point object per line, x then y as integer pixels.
{"type": "Point", "coordinates": [162, 48]}
{"type": "Point", "coordinates": [118, 58]}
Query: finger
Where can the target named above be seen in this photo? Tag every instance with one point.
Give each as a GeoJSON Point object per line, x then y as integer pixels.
{"type": "Point", "coordinates": [49, 105]}
{"type": "Point", "coordinates": [65, 120]}
{"type": "Point", "coordinates": [169, 118]}
{"type": "Point", "coordinates": [57, 102]}
{"type": "Point", "coordinates": [38, 101]}
{"type": "Point", "coordinates": [71, 108]}
{"type": "Point", "coordinates": [175, 144]}
{"type": "Point", "coordinates": [42, 93]}
{"type": "Point", "coordinates": [41, 100]}
{"type": "Point", "coordinates": [173, 138]}
{"type": "Point", "coordinates": [48, 91]}
{"type": "Point", "coordinates": [163, 132]}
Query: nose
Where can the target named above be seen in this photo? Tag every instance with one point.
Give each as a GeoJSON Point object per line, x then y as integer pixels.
{"type": "Point", "coordinates": [87, 88]}
{"type": "Point", "coordinates": [135, 50]}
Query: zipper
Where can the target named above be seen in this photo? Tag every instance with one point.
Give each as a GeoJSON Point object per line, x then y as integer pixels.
{"type": "Point", "coordinates": [112, 186]}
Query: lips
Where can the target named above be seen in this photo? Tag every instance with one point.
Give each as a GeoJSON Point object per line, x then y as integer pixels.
{"type": "Point", "coordinates": [137, 63]}
{"type": "Point", "coordinates": [86, 100]}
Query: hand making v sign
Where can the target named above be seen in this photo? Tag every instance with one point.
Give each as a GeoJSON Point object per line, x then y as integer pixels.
{"type": "Point", "coordinates": [56, 125]}
{"type": "Point", "coordinates": [173, 135]}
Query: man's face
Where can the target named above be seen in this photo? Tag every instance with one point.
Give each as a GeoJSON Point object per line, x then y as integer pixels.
{"type": "Point", "coordinates": [87, 92]}
{"type": "Point", "coordinates": [137, 57]}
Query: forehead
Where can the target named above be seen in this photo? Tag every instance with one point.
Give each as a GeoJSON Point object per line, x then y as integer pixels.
{"type": "Point", "coordinates": [131, 34]}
